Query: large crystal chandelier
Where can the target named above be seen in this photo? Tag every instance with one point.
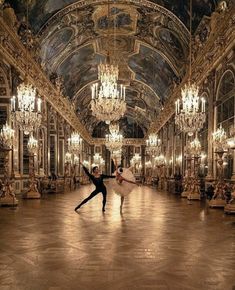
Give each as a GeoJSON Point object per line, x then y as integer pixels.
{"type": "Point", "coordinates": [114, 141]}
{"type": "Point", "coordinates": [75, 143]}
{"type": "Point", "coordinates": [26, 108]}
{"type": "Point", "coordinates": [108, 98]}
{"type": "Point", "coordinates": [6, 136]}
{"type": "Point", "coordinates": [153, 144]}
{"type": "Point", "coordinates": [190, 108]}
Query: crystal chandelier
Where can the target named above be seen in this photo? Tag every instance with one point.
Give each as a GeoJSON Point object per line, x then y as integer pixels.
{"type": "Point", "coordinates": [116, 155]}
{"type": "Point", "coordinates": [160, 160]}
{"type": "Point", "coordinates": [32, 145]}
{"type": "Point", "coordinates": [136, 159]}
{"type": "Point", "coordinates": [98, 160]}
{"type": "Point", "coordinates": [153, 144]}
{"type": "Point", "coordinates": [108, 99]}
{"type": "Point", "coordinates": [220, 139]}
{"type": "Point", "coordinates": [113, 128]}
{"type": "Point", "coordinates": [190, 108]}
{"type": "Point", "coordinates": [6, 136]}
{"type": "Point", "coordinates": [195, 147]}
{"type": "Point", "coordinates": [26, 108]}
{"type": "Point", "coordinates": [75, 143]}
{"type": "Point", "coordinates": [114, 141]}
{"type": "Point", "coordinates": [68, 158]}
{"type": "Point", "coordinates": [148, 164]}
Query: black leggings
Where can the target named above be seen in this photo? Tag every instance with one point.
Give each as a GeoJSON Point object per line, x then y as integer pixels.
{"type": "Point", "coordinates": [93, 194]}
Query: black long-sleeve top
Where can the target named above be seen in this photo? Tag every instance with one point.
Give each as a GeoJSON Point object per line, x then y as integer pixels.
{"type": "Point", "coordinates": [98, 181]}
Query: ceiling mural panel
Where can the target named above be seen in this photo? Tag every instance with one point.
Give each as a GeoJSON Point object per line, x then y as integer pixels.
{"type": "Point", "coordinates": [152, 69]}
{"type": "Point", "coordinates": [171, 43]}
{"type": "Point", "coordinates": [56, 44]}
{"type": "Point", "coordinates": [42, 10]}
{"type": "Point", "coordinates": [122, 19]}
{"type": "Point", "coordinates": [79, 69]}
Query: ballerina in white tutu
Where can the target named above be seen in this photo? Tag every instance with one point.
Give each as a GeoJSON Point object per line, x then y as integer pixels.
{"type": "Point", "coordinates": [125, 183]}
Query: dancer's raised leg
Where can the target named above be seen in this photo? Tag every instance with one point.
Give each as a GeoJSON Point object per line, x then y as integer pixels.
{"type": "Point", "coordinates": [94, 193]}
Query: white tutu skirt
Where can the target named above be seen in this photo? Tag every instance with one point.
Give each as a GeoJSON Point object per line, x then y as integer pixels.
{"type": "Point", "coordinates": [124, 188]}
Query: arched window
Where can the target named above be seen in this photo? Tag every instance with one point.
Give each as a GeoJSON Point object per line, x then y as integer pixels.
{"type": "Point", "coordinates": [225, 110]}
{"type": "Point", "coordinates": [225, 99]}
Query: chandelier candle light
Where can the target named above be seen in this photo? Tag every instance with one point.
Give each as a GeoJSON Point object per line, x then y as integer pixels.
{"type": "Point", "coordinates": [7, 197]}
{"type": "Point", "coordinates": [75, 143]}
{"type": "Point", "coordinates": [33, 192]}
{"type": "Point", "coordinates": [190, 112]}
{"type": "Point", "coordinates": [153, 144]}
{"type": "Point", "coordinates": [26, 107]}
{"type": "Point", "coordinates": [108, 98]}
{"type": "Point", "coordinates": [220, 144]}
{"type": "Point", "coordinates": [195, 152]}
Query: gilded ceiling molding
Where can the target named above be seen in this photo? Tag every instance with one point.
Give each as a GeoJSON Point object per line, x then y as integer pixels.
{"type": "Point", "coordinates": [140, 3]}
{"type": "Point", "coordinates": [13, 50]}
{"type": "Point", "coordinates": [126, 141]}
{"type": "Point", "coordinates": [220, 41]}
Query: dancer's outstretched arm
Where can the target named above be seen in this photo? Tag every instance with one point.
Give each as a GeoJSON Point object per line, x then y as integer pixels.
{"type": "Point", "coordinates": [86, 171]}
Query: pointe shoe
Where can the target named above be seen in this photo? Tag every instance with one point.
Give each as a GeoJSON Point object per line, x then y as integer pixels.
{"type": "Point", "coordinates": [103, 209]}
{"type": "Point", "coordinates": [76, 208]}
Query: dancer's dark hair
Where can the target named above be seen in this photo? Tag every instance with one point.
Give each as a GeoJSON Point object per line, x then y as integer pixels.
{"type": "Point", "coordinates": [94, 168]}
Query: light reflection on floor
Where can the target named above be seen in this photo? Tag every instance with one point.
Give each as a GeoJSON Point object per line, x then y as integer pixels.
{"type": "Point", "coordinates": [158, 242]}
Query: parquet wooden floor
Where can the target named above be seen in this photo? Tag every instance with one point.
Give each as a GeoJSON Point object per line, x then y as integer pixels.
{"type": "Point", "coordinates": [160, 242]}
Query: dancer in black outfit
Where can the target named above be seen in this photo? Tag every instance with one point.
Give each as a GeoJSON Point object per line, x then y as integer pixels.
{"type": "Point", "coordinates": [97, 179]}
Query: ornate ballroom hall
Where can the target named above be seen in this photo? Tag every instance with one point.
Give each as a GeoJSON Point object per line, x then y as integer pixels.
{"type": "Point", "coordinates": [140, 95]}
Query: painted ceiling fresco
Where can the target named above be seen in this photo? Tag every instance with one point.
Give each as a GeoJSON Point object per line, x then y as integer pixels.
{"type": "Point", "coordinates": [79, 69]}
{"type": "Point", "coordinates": [150, 46]}
{"type": "Point", "coordinates": [42, 10]}
{"type": "Point", "coordinates": [151, 68]}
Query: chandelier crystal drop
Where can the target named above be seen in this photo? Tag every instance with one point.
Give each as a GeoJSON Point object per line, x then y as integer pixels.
{"type": "Point", "coordinates": [108, 73]}
{"type": "Point", "coordinates": [116, 155]}
{"type": "Point", "coordinates": [195, 147]}
{"type": "Point", "coordinates": [26, 108]}
{"type": "Point", "coordinates": [32, 145]}
{"type": "Point", "coordinates": [114, 128]}
{"type": "Point", "coordinates": [190, 110]}
{"type": "Point", "coordinates": [136, 159]}
{"type": "Point", "coordinates": [113, 142]}
{"type": "Point", "coordinates": [75, 143]}
{"type": "Point", "coordinates": [6, 136]}
{"type": "Point", "coordinates": [153, 144]}
{"type": "Point", "coordinates": [160, 160]}
{"type": "Point", "coordinates": [220, 139]}
{"type": "Point", "coordinates": [108, 101]}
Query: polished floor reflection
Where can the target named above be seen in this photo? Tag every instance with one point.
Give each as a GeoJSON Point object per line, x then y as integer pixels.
{"type": "Point", "coordinates": [159, 242]}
